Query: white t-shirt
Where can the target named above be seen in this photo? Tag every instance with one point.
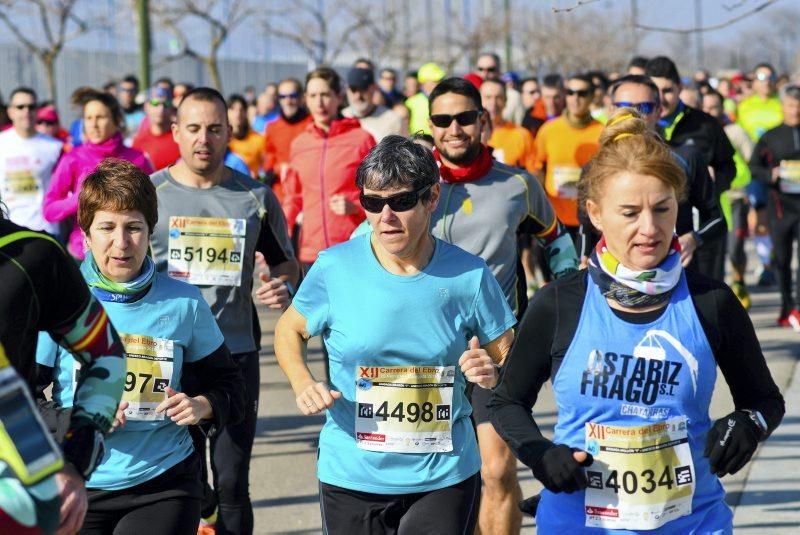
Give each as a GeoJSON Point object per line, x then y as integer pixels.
{"type": "Point", "coordinates": [25, 168]}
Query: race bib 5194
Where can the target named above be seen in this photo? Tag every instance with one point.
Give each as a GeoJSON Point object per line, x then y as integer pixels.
{"type": "Point", "coordinates": [404, 409]}
{"type": "Point", "coordinates": [641, 478]}
{"type": "Point", "coordinates": [206, 250]}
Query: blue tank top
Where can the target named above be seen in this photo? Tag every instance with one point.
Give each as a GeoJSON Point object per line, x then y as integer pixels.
{"type": "Point", "coordinates": [645, 389]}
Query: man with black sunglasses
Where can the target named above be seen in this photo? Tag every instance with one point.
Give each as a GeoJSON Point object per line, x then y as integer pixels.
{"type": "Point", "coordinates": [488, 66]}
{"type": "Point", "coordinates": [682, 125]}
{"type": "Point", "coordinates": [27, 158]}
{"type": "Point", "coordinates": [483, 205]}
{"type": "Point", "coordinates": [564, 145]}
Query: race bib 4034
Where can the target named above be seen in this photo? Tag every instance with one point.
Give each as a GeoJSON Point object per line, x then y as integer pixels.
{"type": "Point", "coordinates": [206, 250]}
{"type": "Point", "coordinates": [404, 409]}
{"type": "Point", "coordinates": [641, 478]}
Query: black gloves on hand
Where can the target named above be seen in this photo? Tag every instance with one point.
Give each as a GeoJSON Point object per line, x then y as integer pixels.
{"type": "Point", "coordinates": [560, 472]}
{"type": "Point", "coordinates": [83, 446]}
{"type": "Point", "coordinates": [731, 442]}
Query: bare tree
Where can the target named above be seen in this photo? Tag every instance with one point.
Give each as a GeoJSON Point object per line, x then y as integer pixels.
{"type": "Point", "coordinates": [220, 18]}
{"type": "Point", "coordinates": [324, 29]}
{"type": "Point", "coordinates": [570, 41]}
{"type": "Point", "coordinates": [59, 24]}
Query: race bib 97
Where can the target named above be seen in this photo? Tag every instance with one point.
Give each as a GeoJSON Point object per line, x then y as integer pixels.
{"type": "Point", "coordinates": [641, 478]}
{"type": "Point", "coordinates": [404, 409]}
{"type": "Point", "coordinates": [206, 250]}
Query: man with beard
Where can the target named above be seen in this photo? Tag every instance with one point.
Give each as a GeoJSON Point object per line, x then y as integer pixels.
{"type": "Point", "coordinates": [379, 121]}
{"type": "Point", "coordinates": [278, 137]}
{"type": "Point", "coordinates": [484, 204]}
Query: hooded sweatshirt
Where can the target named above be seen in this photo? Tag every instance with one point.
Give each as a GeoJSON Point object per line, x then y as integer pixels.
{"type": "Point", "coordinates": [61, 199]}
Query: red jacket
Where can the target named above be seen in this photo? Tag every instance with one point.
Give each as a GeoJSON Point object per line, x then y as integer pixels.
{"type": "Point", "coordinates": [278, 138]}
{"type": "Point", "coordinates": [321, 165]}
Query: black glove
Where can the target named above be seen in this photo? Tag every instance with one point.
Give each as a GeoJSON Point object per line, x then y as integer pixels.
{"type": "Point", "coordinates": [529, 505]}
{"type": "Point", "coordinates": [560, 472]}
{"type": "Point", "coordinates": [731, 442]}
{"type": "Point", "coordinates": [83, 446]}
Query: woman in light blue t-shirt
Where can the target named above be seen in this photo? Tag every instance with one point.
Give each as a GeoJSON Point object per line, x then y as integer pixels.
{"type": "Point", "coordinates": [408, 321]}
{"type": "Point", "coordinates": [149, 478]}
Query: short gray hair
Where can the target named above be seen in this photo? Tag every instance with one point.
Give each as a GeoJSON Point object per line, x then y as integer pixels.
{"type": "Point", "coordinates": [397, 162]}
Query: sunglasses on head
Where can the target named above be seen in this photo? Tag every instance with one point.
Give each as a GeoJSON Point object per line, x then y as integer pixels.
{"type": "Point", "coordinates": [645, 108]}
{"type": "Point", "coordinates": [399, 202]}
{"type": "Point", "coordinates": [583, 93]}
{"type": "Point", "coordinates": [288, 96]}
{"type": "Point", "coordinates": [465, 118]}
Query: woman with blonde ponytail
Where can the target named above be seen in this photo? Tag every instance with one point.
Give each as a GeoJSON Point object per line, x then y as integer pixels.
{"type": "Point", "coordinates": [631, 346]}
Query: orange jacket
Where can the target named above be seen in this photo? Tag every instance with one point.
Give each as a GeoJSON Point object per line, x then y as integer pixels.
{"type": "Point", "coordinates": [321, 165]}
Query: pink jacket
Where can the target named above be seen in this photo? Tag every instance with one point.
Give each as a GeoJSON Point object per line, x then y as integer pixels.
{"type": "Point", "coordinates": [61, 199]}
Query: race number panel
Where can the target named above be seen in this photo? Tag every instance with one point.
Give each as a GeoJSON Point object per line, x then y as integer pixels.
{"type": "Point", "coordinates": [641, 478]}
{"type": "Point", "coordinates": [404, 409]}
{"type": "Point", "coordinates": [206, 250]}
{"type": "Point", "coordinates": [149, 362]}
{"type": "Point", "coordinates": [790, 176]}
{"type": "Point", "coordinates": [565, 180]}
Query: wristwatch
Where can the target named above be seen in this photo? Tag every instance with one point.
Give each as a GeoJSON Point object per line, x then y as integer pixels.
{"type": "Point", "coordinates": [758, 419]}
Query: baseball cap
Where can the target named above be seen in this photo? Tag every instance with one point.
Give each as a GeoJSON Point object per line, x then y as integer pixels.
{"type": "Point", "coordinates": [359, 78]}
{"type": "Point", "coordinates": [159, 93]}
{"type": "Point", "coordinates": [474, 79]}
{"type": "Point", "coordinates": [430, 72]}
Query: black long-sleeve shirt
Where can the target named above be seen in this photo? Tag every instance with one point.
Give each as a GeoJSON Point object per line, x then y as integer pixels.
{"type": "Point", "coordinates": [550, 323]}
{"type": "Point", "coordinates": [780, 143]}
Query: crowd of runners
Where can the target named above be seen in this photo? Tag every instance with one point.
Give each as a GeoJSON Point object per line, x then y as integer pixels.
{"type": "Point", "coordinates": [456, 242]}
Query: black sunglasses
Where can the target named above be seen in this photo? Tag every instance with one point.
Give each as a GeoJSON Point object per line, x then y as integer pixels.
{"type": "Point", "coordinates": [487, 69]}
{"type": "Point", "coordinates": [399, 202]}
{"type": "Point", "coordinates": [25, 106]}
{"type": "Point", "coordinates": [583, 93]}
{"type": "Point", "coordinates": [286, 96]}
{"type": "Point", "coordinates": [465, 118]}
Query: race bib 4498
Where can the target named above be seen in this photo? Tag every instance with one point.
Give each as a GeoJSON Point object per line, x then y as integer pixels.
{"type": "Point", "coordinates": [405, 409]}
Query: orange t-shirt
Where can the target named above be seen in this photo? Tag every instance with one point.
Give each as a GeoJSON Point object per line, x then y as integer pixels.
{"type": "Point", "coordinates": [513, 145]}
{"type": "Point", "coordinates": [561, 151]}
{"type": "Point", "coordinates": [250, 149]}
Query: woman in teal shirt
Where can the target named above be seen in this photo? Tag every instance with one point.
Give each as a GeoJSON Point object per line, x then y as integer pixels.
{"type": "Point", "coordinates": [149, 478]}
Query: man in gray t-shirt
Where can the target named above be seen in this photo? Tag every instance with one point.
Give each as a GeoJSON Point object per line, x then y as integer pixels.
{"type": "Point", "coordinates": [213, 220]}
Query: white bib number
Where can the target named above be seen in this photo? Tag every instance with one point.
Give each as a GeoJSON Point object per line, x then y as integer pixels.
{"type": "Point", "coordinates": [565, 181]}
{"type": "Point", "coordinates": [641, 478]}
{"type": "Point", "coordinates": [790, 176]}
{"type": "Point", "coordinates": [404, 409]}
{"type": "Point", "coordinates": [206, 250]}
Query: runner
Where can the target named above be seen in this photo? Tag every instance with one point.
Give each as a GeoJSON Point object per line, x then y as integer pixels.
{"type": "Point", "coordinates": [27, 159]}
{"type": "Point", "coordinates": [379, 121]}
{"type": "Point", "coordinates": [734, 201]}
{"type": "Point", "coordinates": [513, 145]}
{"type": "Point", "coordinates": [683, 125]}
{"type": "Point", "coordinates": [484, 205]}
{"type": "Point", "coordinates": [213, 222]}
{"type": "Point", "coordinates": [134, 114]}
{"type": "Point", "coordinates": [758, 113]}
{"type": "Point", "coordinates": [634, 450]}
{"type": "Point", "coordinates": [43, 290]}
{"type": "Point", "coordinates": [102, 124]}
{"type": "Point", "coordinates": [150, 470]}
{"type": "Point", "coordinates": [428, 76]}
{"type": "Point", "coordinates": [245, 143]}
{"type": "Point", "coordinates": [396, 308]}
{"type": "Point", "coordinates": [776, 163]}
{"type": "Point", "coordinates": [322, 166]}
{"type": "Point", "coordinates": [154, 138]}
{"type": "Point", "coordinates": [279, 135]}
{"type": "Point", "coordinates": [563, 146]}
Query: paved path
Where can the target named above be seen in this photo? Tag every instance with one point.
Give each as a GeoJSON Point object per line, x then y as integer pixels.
{"type": "Point", "coordinates": [765, 495]}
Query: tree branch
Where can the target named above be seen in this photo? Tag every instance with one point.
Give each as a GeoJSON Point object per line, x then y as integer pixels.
{"type": "Point", "coordinates": [708, 28]}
